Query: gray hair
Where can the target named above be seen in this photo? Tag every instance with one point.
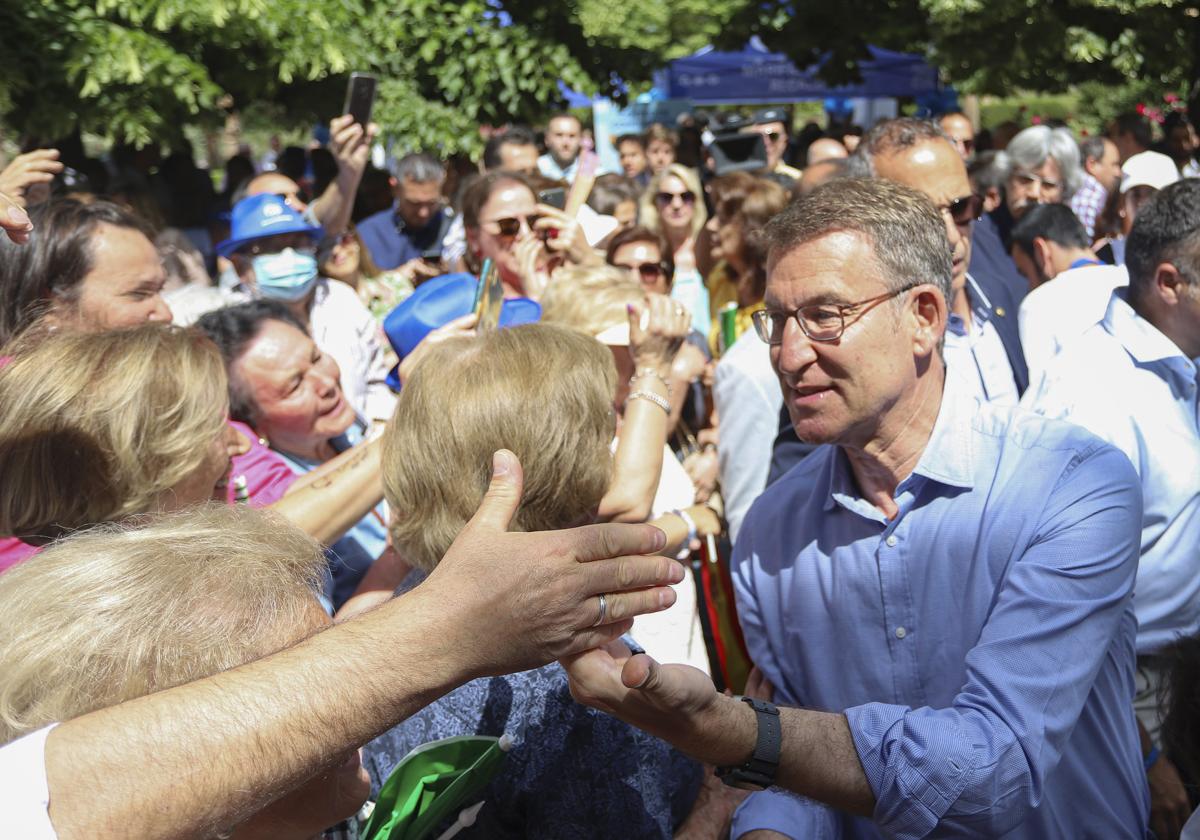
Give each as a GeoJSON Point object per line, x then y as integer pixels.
{"type": "Point", "coordinates": [906, 232]}
{"type": "Point", "coordinates": [419, 168]}
{"type": "Point", "coordinates": [1091, 147]}
{"type": "Point", "coordinates": [119, 611]}
{"type": "Point", "coordinates": [1032, 146]}
{"type": "Point", "coordinates": [889, 137]}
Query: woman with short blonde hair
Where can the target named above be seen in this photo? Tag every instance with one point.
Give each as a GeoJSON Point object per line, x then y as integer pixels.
{"type": "Point", "coordinates": [95, 427]}
{"type": "Point", "coordinates": [541, 391]}
{"type": "Point", "coordinates": [124, 610]}
{"type": "Point", "coordinates": [545, 392]}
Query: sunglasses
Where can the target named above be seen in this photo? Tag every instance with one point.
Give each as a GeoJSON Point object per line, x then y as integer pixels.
{"type": "Point", "coordinates": [772, 135]}
{"type": "Point", "coordinates": [666, 199]}
{"type": "Point", "coordinates": [511, 226]}
{"type": "Point", "coordinates": [966, 209]}
{"type": "Point", "coordinates": [648, 270]}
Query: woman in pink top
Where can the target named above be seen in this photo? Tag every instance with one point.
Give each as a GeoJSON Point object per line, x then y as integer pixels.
{"type": "Point", "coordinates": [93, 429]}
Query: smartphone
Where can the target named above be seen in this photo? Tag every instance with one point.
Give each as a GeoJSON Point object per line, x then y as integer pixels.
{"type": "Point", "coordinates": [555, 197]}
{"type": "Point", "coordinates": [360, 97]}
{"type": "Point", "coordinates": [489, 297]}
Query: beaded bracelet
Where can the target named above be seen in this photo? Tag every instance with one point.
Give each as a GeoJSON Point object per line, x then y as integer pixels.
{"type": "Point", "coordinates": [661, 402]}
{"type": "Point", "coordinates": [649, 371]}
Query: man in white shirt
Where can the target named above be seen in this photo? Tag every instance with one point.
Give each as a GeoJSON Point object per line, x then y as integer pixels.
{"type": "Point", "coordinates": [1069, 286]}
{"type": "Point", "coordinates": [1132, 380]}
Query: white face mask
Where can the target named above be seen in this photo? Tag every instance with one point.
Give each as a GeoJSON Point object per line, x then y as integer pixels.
{"type": "Point", "coordinates": [286, 276]}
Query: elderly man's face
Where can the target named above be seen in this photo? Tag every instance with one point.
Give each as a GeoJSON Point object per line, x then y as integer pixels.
{"type": "Point", "coordinates": [935, 169]}
{"type": "Point", "coordinates": [563, 138]}
{"type": "Point", "coordinates": [418, 201]}
{"type": "Point", "coordinates": [837, 391]}
{"type": "Point", "coordinates": [1027, 187]}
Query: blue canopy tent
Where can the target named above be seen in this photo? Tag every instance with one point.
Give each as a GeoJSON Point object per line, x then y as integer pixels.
{"type": "Point", "coordinates": [756, 75]}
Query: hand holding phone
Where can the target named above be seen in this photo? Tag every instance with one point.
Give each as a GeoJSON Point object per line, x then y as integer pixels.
{"type": "Point", "coordinates": [360, 98]}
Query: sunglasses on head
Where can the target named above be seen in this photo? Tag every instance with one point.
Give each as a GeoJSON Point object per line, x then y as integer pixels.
{"type": "Point", "coordinates": [966, 209]}
{"type": "Point", "coordinates": [511, 226]}
{"type": "Point", "coordinates": [665, 199]}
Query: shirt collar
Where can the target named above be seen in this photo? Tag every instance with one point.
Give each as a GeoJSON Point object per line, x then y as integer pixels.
{"type": "Point", "coordinates": [948, 457]}
{"type": "Point", "coordinates": [1141, 339]}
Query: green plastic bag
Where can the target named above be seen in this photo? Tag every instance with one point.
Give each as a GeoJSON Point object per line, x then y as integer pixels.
{"type": "Point", "coordinates": [431, 783]}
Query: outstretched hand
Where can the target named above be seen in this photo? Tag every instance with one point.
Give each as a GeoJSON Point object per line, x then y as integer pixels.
{"type": "Point", "coordinates": [525, 599]}
{"type": "Point", "coordinates": [672, 702]}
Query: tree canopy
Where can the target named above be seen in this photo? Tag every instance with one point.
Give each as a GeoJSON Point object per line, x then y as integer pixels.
{"type": "Point", "coordinates": [140, 70]}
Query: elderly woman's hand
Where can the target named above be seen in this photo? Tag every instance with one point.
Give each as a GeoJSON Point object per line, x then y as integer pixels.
{"type": "Point", "coordinates": [657, 328]}
{"type": "Point", "coordinates": [564, 235]}
{"type": "Point", "coordinates": [459, 326]}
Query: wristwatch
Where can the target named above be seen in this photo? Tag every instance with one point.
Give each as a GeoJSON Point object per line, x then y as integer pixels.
{"type": "Point", "coordinates": [759, 772]}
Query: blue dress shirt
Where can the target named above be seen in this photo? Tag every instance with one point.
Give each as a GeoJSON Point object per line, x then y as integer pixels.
{"type": "Point", "coordinates": [981, 644]}
{"type": "Point", "coordinates": [1126, 382]}
{"type": "Point", "coordinates": [391, 243]}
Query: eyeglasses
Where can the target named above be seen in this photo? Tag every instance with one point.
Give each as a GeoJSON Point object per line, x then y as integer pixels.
{"type": "Point", "coordinates": [666, 199]}
{"type": "Point", "coordinates": [648, 270]}
{"type": "Point", "coordinates": [819, 321]}
{"type": "Point", "coordinates": [511, 225]}
{"type": "Point", "coordinates": [965, 210]}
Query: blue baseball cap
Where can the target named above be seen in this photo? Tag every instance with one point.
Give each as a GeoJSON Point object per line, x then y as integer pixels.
{"type": "Point", "coordinates": [436, 303]}
{"type": "Point", "coordinates": [262, 215]}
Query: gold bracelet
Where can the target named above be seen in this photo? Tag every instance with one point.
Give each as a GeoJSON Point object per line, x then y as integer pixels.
{"type": "Point", "coordinates": [652, 397]}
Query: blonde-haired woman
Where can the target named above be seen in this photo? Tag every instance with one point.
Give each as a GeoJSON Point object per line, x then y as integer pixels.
{"type": "Point", "coordinates": [97, 427]}
{"type": "Point", "coordinates": [673, 207]}
{"type": "Point", "coordinates": [544, 392]}
{"type": "Point", "coordinates": [121, 611]}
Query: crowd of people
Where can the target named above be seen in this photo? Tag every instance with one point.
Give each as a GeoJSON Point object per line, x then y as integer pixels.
{"type": "Point", "coordinates": [285, 501]}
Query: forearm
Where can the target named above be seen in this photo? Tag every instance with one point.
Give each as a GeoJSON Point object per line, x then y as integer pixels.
{"type": "Point", "coordinates": [334, 206]}
{"type": "Point", "coordinates": [637, 464]}
{"type": "Point", "coordinates": [818, 758]}
{"type": "Point", "coordinates": [196, 759]}
{"type": "Point", "coordinates": [328, 501]}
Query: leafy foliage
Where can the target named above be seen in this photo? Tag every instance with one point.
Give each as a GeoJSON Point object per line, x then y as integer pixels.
{"type": "Point", "coordinates": [141, 70]}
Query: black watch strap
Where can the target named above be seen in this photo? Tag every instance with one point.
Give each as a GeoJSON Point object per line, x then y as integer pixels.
{"type": "Point", "coordinates": [759, 772]}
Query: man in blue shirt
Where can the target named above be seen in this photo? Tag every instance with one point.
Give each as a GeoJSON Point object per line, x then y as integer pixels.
{"type": "Point", "coordinates": [1132, 380]}
{"type": "Point", "coordinates": [944, 592]}
{"type": "Point", "coordinates": [415, 227]}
